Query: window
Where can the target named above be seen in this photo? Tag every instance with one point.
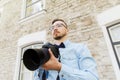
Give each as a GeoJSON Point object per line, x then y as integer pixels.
{"type": "Point", "coordinates": [34, 40]}
{"type": "Point", "coordinates": [109, 20]}
{"type": "Point", "coordinates": [114, 35]}
{"type": "Point", "coordinates": [31, 7]}
{"type": "Point", "coordinates": [25, 74]}
{"type": "Point", "coordinates": [1, 10]}
{"type": "Point", "coordinates": [0, 16]}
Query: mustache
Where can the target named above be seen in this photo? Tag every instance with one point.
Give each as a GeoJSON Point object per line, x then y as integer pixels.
{"type": "Point", "coordinates": [56, 31]}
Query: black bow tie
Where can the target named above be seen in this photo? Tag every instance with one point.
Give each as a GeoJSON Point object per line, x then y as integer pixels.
{"type": "Point", "coordinates": [61, 45]}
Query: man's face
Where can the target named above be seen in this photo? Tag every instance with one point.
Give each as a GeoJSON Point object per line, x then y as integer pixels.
{"type": "Point", "coordinates": [59, 30]}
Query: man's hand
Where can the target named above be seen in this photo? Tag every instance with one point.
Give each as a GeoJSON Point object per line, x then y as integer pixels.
{"type": "Point", "coordinates": [52, 63]}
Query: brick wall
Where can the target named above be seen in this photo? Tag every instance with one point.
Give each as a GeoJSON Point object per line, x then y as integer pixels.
{"type": "Point", "coordinates": [81, 18]}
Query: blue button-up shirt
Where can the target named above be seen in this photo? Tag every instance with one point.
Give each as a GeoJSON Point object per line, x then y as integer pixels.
{"type": "Point", "coordinates": [77, 64]}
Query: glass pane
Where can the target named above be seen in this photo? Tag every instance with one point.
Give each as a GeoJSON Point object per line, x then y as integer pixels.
{"type": "Point", "coordinates": [25, 74]}
{"type": "Point", "coordinates": [115, 33]}
{"type": "Point", "coordinates": [34, 8]}
{"type": "Point", "coordinates": [37, 46]}
{"type": "Point", "coordinates": [0, 15]}
{"type": "Point", "coordinates": [38, 6]}
{"type": "Point", "coordinates": [28, 47]}
{"type": "Point", "coordinates": [29, 2]}
{"type": "Point", "coordinates": [35, 1]}
{"type": "Point", "coordinates": [117, 48]}
{"type": "Point", "coordinates": [1, 12]}
{"type": "Point", "coordinates": [29, 11]}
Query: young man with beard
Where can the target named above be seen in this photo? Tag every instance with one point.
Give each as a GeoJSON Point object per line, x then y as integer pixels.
{"type": "Point", "coordinates": [75, 61]}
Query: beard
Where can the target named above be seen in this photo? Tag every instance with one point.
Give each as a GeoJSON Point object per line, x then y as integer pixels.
{"type": "Point", "coordinates": [59, 37]}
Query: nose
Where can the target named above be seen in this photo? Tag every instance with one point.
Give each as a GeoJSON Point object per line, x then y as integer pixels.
{"type": "Point", "coordinates": [55, 27]}
{"type": "Point", "coordinates": [54, 30]}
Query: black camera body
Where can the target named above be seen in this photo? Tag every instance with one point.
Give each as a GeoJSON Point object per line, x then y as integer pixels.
{"type": "Point", "coordinates": [34, 58]}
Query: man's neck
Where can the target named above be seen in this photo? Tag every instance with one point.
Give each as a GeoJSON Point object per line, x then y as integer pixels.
{"type": "Point", "coordinates": [60, 41]}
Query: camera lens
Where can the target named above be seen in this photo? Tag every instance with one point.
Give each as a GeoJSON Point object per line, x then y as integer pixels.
{"type": "Point", "coordinates": [33, 58]}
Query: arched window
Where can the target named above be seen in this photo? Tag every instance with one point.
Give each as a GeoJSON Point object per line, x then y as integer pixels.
{"type": "Point", "coordinates": [1, 10]}
{"type": "Point", "coordinates": [109, 20]}
{"type": "Point", "coordinates": [34, 40]}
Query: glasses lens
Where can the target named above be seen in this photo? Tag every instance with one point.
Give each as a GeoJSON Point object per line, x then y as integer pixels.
{"type": "Point", "coordinates": [57, 25]}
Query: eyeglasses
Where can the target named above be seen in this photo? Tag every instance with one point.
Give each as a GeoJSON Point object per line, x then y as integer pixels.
{"type": "Point", "coordinates": [57, 25]}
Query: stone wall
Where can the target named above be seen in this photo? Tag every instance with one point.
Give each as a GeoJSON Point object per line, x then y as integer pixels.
{"type": "Point", "coordinates": [81, 18]}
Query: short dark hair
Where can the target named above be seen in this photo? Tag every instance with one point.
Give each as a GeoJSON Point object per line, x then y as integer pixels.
{"type": "Point", "coordinates": [59, 20]}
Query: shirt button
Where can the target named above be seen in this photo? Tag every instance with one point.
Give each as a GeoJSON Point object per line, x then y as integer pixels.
{"type": "Point", "coordinates": [62, 75]}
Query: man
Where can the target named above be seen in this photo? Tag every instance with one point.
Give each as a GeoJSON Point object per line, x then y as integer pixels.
{"type": "Point", "coordinates": [75, 61]}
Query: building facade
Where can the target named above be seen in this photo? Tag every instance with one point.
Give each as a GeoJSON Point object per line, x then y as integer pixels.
{"type": "Point", "coordinates": [94, 22]}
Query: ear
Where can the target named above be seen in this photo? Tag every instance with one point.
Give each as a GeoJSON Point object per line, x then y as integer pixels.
{"type": "Point", "coordinates": [67, 30]}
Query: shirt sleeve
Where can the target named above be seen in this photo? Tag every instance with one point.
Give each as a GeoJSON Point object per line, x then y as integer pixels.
{"type": "Point", "coordinates": [87, 67]}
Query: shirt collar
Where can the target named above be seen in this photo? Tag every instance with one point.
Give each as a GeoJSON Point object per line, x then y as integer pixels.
{"type": "Point", "coordinates": [66, 43]}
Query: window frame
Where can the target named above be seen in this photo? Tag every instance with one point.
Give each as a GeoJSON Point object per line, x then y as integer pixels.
{"type": "Point", "coordinates": [30, 17]}
{"type": "Point", "coordinates": [105, 20]}
{"type": "Point", "coordinates": [31, 45]}
{"type": "Point", "coordinates": [30, 39]}
{"type": "Point", "coordinates": [1, 11]}
{"type": "Point", "coordinates": [114, 43]}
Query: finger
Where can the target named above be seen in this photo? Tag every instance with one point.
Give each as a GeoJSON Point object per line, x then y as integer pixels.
{"type": "Point", "coordinates": [51, 53]}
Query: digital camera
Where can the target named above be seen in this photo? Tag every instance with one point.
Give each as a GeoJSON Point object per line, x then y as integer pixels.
{"type": "Point", "coordinates": [34, 58]}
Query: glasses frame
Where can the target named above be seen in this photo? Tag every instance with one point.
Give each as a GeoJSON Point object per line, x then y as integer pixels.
{"type": "Point", "coordinates": [57, 25]}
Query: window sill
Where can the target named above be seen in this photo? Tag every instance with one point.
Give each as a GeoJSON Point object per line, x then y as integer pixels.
{"type": "Point", "coordinates": [32, 17]}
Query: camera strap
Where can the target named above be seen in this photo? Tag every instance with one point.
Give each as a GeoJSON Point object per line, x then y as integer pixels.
{"type": "Point", "coordinates": [61, 45]}
{"type": "Point", "coordinates": [58, 78]}
{"type": "Point", "coordinates": [45, 75]}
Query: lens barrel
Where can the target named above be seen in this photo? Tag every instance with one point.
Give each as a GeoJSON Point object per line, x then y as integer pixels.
{"type": "Point", "coordinates": [33, 58]}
